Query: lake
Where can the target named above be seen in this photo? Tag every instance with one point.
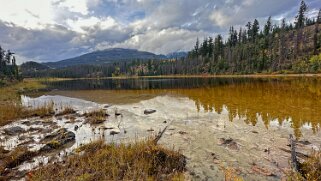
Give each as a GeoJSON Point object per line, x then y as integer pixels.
{"type": "Point", "coordinates": [217, 123]}
{"type": "Point", "coordinates": [293, 99]}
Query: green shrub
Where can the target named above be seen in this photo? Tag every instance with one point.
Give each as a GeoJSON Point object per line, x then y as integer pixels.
{"type": "Point", "coordinates": [315, 63]}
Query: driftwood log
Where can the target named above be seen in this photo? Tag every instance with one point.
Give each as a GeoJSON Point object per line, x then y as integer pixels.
{"type": "Point", "coordinates": [159, 136]}
{"type": "Point", "coordinates": [295, 164]}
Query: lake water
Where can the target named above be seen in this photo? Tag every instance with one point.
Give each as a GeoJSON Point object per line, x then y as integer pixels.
{"type": "Point", "coordinates": [294, 99]}
{"type": "Point", "coordinates": [256, 115]}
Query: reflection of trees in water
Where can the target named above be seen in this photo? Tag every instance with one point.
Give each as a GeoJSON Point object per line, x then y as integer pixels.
{"type": "Point", "coordinates": [141, 84]}
{"type": "Point", "coordinates": [270, 98]}
{"type": "Point", "coordinates": [295, 99]}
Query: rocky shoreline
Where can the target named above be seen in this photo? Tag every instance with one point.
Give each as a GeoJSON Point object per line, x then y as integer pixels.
{"type": "Point", "coordinates": [210, 142]}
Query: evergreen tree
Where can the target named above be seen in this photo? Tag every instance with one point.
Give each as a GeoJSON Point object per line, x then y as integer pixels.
{"type": "Point", "coordinates": [197, 47]}
{"type": "Point", "coordinates": [300, 18]}
{"type": "Point", "coordinates": [319, 17]}
{"type": "Point", "coordinates": [255, 29]}
{"type": "Point", "coordinates": [268, 27]}
{"type": "Point", "coordinates": [249, 31]}
{"type": "Point", "coordinates": [210, 46]}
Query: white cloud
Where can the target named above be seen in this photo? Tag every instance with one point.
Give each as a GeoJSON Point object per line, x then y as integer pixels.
{"type": "Point", "coordinates": [27, 13]}
{"type": "Point", "coordinates": [76, 6]}
{"type": "Point", "coordinates": [161, 42]}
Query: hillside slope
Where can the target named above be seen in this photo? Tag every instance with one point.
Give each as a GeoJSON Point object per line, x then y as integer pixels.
{"type": "Point", "coordinates": [105, 56]}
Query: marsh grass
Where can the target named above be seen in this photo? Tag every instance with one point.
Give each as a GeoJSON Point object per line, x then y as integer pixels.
{"type": "Point", "coordinates": [11, 159]}
{"type": "Point", "coordinates": [310, 169]}
{"type": "Point", "coordinates": [66, 110]}
{"type": "Point", "coordinates": [230, 174]}
{"type": "Point", "coordinates": [96, 116]}
{"type": "Point", "coordinates": [11, 111]}
{"type": "Point", "coordinates": [99, 161]}
{"type": "Point", "coordinates": [10, 107]}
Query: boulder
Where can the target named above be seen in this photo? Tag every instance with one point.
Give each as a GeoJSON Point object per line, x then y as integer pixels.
{"type": "Point", "coordinates": [14, 130]}
{"type": "Point", "coordinates": [114, 132]}
{"type": "Point", "coordinates": [149, 111]}
{"type": "Point", "coordinates": [228, 143]}
{"type": "Point", "coordinates": [58, 139]}
{"type": "Point", "coordinates": [107, 106]}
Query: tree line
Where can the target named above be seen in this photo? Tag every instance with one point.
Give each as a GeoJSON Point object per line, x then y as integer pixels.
{"type": "Point", "coordinates": [8, 67]}
{"type": "Point", "coordinates": [271, 48]}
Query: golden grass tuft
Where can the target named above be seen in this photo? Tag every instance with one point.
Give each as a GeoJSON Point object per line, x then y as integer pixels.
{"type": "Point", "coordinates": [10, 108]}
{"type": "Point", "coordinates": [96, 116]}
{"type": "Point", "coordinates": [11, 159]}
{"type": "Point", "coordinates": [11, 111]}
{"type": "Point", "coordinates": [99, 161]}
{"type": "Point", "coordinates": [231, 175]}
{"type": "Point", "coordinates": [66, 110]}
{"type": "Point", "coordinates": [310, 169]}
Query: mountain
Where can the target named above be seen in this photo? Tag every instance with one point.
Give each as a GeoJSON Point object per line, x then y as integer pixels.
{"type": "Point", "coordinates": [29, 68]}
{"type": "Point", "coordinates": [177, 55]}
{"type": "Point", "coordinates": [105, 56]}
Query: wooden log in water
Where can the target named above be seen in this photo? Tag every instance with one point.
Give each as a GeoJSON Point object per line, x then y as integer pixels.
{"type": "Point", "coordinates": [295, 164]}
{"type": "Point", "coordinates": [159, 136]}
{"type": "Point", "coordinates": [298, 154]}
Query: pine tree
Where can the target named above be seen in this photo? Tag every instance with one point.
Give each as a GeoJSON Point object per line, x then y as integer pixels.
{"type": "Point", "coordinates": [255, 29]}
{"type": "Point", "coordinates": [318, 21]}
{"type": "Point", "coordinates": [204, 48]}
{"type": "Point", "coordinates": [300, 18]}
{"type": "Point", "coordinates": [197, 47]}
{"type": "Point", "coordinates": [249, 31]}
{"type": "Point", "coordinates": [282, 43]}
{"type": "Point", "coordinates": [210, 46]}
{"type": "Point", "coordinates": [268, 27]}
{"type": "Point", "coordinates": [316, 41]}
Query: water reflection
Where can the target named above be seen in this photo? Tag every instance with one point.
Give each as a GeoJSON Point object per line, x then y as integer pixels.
{"type": "Point", "coordinates": [294, 99]}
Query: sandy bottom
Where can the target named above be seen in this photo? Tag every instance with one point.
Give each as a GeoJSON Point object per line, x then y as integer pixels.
{"type": "Point", "coordinates": [209, 140]}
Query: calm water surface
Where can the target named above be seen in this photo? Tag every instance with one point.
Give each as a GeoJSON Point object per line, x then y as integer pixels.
{"type": "Point", "coordinates": [293, 99]}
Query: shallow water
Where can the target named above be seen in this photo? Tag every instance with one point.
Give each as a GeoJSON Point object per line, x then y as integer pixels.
{"type": "Point", "coordinates": [258, 114]}
{"type": "Point", "coordinates": [296, 99]}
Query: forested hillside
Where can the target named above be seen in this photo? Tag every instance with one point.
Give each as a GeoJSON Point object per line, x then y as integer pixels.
{"type": "Point", "coordinates": [267, 48]}
{"type": "Point", "coordinates": [105, 56]}
{"type": "Point", "coordinates": [254, 48]}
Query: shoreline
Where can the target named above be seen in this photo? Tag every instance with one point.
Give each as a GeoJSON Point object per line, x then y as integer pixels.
{"type": "Point", "coordinates": [181, 76]}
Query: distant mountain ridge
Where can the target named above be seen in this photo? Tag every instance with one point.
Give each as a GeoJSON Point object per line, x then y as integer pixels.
{"type": "Point", "coordinates": [177, 55]}
{"type": "Point", "coordinates": [105, 56]}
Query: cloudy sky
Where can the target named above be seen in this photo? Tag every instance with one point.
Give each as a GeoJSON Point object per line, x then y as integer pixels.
{"type": "Point", "coordinates": [51, 30]}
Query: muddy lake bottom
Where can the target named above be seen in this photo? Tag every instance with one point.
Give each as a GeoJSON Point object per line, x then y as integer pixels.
{"type": "Point", "coordinates": [217, 123]}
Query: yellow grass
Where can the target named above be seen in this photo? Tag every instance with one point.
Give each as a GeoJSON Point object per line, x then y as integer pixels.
{"type": "Point", "coordinates": [66, 110]}
{"type": "Point", "coordinates": [10, 108]}
{"type": "Point", "coordinates": [310, 169]}
{"type": "Point", "coordinates": [96, 116]}
{"type": "Point", "coordinates": [12, 111]}
{"type": "Point", "coordinates": [11, 159]}
{"type": "Point", "coordinates": [231, 175]}
{"type": "Point", "coordinates": [99, 161]}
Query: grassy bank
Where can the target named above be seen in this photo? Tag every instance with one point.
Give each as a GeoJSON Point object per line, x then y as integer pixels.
{"type": "Point", "coordinates": [10, 106]}
{"type": "Point", "coordinates": [310, 169]}
{"type": "Point", "coordinates": [99, 161]}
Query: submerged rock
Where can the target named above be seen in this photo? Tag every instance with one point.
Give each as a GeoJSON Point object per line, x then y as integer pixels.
{"type": "Point", "coordinates": [114, 132]}
{"type": "Point", "coordinates": [106, 128]}
{"type": "Point", "coordinates": [107, 106]}
{"type": "Point", "coordinates": [13, 130]}
{"type": "Point", "coordinates": [76, 127]}
{"type": "Point", "coordinates": [229, 143]}
{"type": "Point", "coordinates": [58, 139]}
{"type": "Point", "coordinates": [182, 132]}
{"type": "Point", "coordinates": [149, 111]}
{"type": "Point", "coordinates": [150, 130]}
